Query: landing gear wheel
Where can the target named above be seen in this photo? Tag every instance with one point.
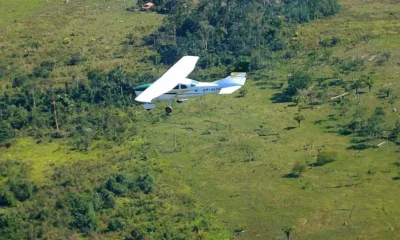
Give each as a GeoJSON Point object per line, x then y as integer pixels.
{"type": "Point", "coordinates": [168, 110]}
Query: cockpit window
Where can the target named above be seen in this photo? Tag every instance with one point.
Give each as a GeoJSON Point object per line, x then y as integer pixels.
{"type": "Point", "coordinates": [193, 83]}
{"type": "Point", "coordinates": [183, 86]}
{"type": "Point", "coordinates": [176, 87]}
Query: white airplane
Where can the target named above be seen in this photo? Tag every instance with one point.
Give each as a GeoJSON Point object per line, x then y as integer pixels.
{"type": "Point", "coordinates": [175, 86]}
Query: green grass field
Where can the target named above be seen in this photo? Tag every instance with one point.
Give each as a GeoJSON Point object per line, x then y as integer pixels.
{"type": "Point", "coordinates": [96, 30]}
{"type": "Point", "coordinates": [353, 198]}
{"type": "Point", "coordinates": [18, 11]}
{"type": "Point", "coordinates": [234, 171]}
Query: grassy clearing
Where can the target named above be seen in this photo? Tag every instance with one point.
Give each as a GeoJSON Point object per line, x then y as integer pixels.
{"type": "Point", "coordinates": [254, 193]}
{"type": "Point", "coordinates": [17, 11]}
{"type": "Point", "coordinates": [94, 30]}
{"type": "Point", "coordinates": [240, 175]}
{"type": "Point", "coordinates": [45, 156]}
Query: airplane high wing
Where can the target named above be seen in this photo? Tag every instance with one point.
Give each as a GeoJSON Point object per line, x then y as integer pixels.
{"type": "Point", "coordinates": [169, 80]}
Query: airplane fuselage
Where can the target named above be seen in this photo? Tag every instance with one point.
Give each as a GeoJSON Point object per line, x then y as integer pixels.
{"type": "Point", "coordinates": [184, 91]}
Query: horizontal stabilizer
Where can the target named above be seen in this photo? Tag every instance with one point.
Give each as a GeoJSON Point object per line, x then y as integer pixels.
{"type": "Point", "coordinates": [229, 90]}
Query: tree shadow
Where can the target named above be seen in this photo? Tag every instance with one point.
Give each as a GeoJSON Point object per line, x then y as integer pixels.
{"type": "Point", "coordinates": [396, 178]}
{"type": "Point", "coordinates": [332, 117]}
{"type": "Point", "coordinates": [281, 98]}
{"type": "Point", "coordinates": [344, 131]}
{"type": "Point", "coordinates": [263, 83]}
{"type": "Point", "coordinates": [337, 82]}
{"type": "Point", "coordinates": [275, 87]}
{"type": "Point", "coordinates": [320, 164]}
{"type": "Point", "coordinates": [289, 128]}
{"type": "Point", "coordinates": [291, 175]}
{"type": "Point", "coordinates": [358, 141]}
{"type": "Point", "coordinates": [360, 147]}
{"type": "Point", "coordinates": [6, 144]}
{"type": "Point", "coordinates": [306, 107]}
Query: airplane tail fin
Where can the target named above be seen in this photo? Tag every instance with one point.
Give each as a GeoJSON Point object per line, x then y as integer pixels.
{"type": "Point", "coordinates": [238, 74]}
{"type": "Point", "coordinates": [236, 78]}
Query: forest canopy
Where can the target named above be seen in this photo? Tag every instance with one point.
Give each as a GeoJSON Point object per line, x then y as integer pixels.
{"type": "Point", "coordinates": [222, 31]}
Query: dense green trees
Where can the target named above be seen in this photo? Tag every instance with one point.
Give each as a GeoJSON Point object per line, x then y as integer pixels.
{"type": "Point", "coordinates": [223, 31]}
{"type": "Point", "coordinates": [80, 105]}
{"type": "Point", "coordinates": [128, 200]}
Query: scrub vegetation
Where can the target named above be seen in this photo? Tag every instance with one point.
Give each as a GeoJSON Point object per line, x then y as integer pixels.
{"type": "Point", "coordinates": [308, 149]}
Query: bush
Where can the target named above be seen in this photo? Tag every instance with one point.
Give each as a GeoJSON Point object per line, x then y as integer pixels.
{"type": "Point", "coordinates": [298, 169]}
{"type": "Point", "coordinates": [108, 199]}
{"type": "Point", "coordinates": [82, 211]}
{"type": "Point", "coordinates": [298, 81]}
{"type": "Point", "coordinates": [19, 117]}
{"type": "Point", "coordinates": [22, 190]}
{"type": "Point", "coordinates": [6, 198]}
{"type": "Point", "coordinates": [6, 223]}
{"type": "Point", "coordinates": [325, 157]}
{"type": "Point", "coordinates": [75, 60]}
{"type": "Point", "coordinates": [43, 71]}
{"type": "Point", "coordinates": [116, 224]}
{"type": "Point", "coordinates": [6, 131]}
{"type": "Point", "coordinates": [329, 42]}
{"type": "Point", "coordinates": [115, 187]}
{"type": "Point", "coordinates": [66, 40]}
{"type": "Point", "coordinates": [352, 66]}
{"type": "Point", "coordinates": [145, 183]}
{"type": "Point", "coordinates": [3, 70]}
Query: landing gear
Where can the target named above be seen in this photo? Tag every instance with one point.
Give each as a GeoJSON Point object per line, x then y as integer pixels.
{"type": "Point", "coordinates": [181, 100]}
{"type": "Point", "coordinates": [168, 109]}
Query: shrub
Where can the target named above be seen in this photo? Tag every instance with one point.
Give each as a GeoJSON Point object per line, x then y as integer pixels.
{"type": "Point", "coordinates": [43, 71]}
{"type": "Point", "coordinates": [116, 224]}
{"type": "Point", "coordinates": [6, 131]}
{"type": "Point", "coordinates": [6, 198]}
{"type": "Point", "coordinates": [66, 40]}
{"type": "Point", "coordinates": [22, 190]}
{"type": "Point", "coordinates": [298, 169]}
{"type": "Point", "coordinates": [18, 82]}
{"type": "Point", "coordinates": [145, 182]}
{"type": "Point", "coordinates": [242, 92]}
{"type": "Point", "coordinates": [19, 117]}
{"type": "Point", "coordinates": [325, 157]}
{"type": "Point", "coordinates": [329, 42]}
{"type": "Point", "coordinates": [3, 69]}
{"type": "Point", "coordinates": [82, 211]}
{"type": "Point", "coordinates": [117, 188]}
{"type": "Point", "coordinates": [298, 81]}
{"type": "Point", "coordinates": [75, 60]}
{"type": "Point", "coordinates": [108, 199]}
{"type": "Point", "coordinates": [352, 66]}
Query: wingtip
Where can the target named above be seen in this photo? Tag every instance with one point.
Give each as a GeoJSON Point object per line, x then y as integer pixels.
{"type": "Point", "coordinates": [142, 99]}
{"type": "Point", "coordinates": [194, 58]}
